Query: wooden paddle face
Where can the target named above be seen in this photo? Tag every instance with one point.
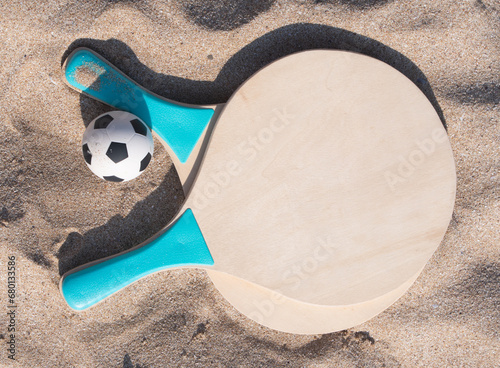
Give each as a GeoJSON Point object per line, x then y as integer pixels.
{"type": "Point", "coordinates": [328, 178]}
{"type": "Point", "coordinates": [289, 315]}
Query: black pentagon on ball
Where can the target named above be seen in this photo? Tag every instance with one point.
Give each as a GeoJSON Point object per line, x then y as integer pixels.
{"type": "Point", "coordinates": [117, 152]}
{"type": "Point", "coordinates": [145, 161]}
{"type": "Point", "coordinates": [113, 178]}
{"type": "Point", "coordinates": [139, 127]}
{"type": "Point", "coordinates": [87, 155]}
{"type": "Point", "coordinates": [103, 122]}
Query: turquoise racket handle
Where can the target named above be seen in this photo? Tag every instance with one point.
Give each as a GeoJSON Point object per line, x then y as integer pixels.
{"type": "Point", "coordinates": [180, 126]}
{"type": "Point", "coordinates": [182, 244]}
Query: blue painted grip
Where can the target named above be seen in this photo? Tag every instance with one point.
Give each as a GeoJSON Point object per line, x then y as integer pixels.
{"type": "Point", "coordinates": [179, 126]}
{"type": "Point", "coordinates": [181, 245]}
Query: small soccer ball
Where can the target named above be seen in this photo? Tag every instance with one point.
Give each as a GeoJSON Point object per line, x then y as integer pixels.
{"type": "Point", "coordinates": [117, 146]}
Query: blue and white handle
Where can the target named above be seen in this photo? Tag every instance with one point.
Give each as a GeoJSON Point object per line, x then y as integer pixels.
{"type": "Point", "coordinates": [179, 125]}
{"type": "Point", "coordinates": [182, 244]}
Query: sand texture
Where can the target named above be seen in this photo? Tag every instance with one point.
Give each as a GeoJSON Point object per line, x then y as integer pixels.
{"type": "Point", "coordinates": [55, 214]}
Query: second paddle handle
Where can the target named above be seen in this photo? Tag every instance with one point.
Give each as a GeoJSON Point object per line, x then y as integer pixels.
{"type": "Point", "coordinates": [181, 244]}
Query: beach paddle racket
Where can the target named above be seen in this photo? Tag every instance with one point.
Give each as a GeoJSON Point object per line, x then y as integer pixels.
{"type": "Point", "coordinates": [338, 174]}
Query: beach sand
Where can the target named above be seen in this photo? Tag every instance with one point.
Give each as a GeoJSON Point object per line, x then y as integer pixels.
{"type": "Point", "coordinates": [55, 214]}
